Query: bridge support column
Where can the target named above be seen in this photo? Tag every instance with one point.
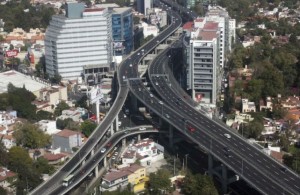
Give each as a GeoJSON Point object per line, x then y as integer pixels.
{"type": "Point", "coordinates": [139, 137]}
{"type": "Point", "coordinates": [224, 178]}
{"type": "Point", "coordinates": [160, 121]}
{"type": "Point", "coordinates": [123, 143]}
{"type": "Point", "coordinates": [117, 122]}
{"type": "Point", "coordinates": [96, 171]}
{"type": "Point", "coordinates": [92, 152]}
{"type": "Point", "coordinates": [105, 162]}
{"type": "Point", "coordinates": [82, 163]}
{"type": "Point", "coordinates": [111, 129]}
{"type": "Point", "coordinates": [210, 164]}
{"type": "Point", "coordinates": [134, 106]}
{"type": "Point", "coordinates": [171, 136]}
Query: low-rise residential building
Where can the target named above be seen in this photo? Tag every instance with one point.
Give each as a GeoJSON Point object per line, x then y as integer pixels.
{"type": "Point", "coordinates": [120, 178]}
{"type": "Point", "coordinates": [7, 117]}
{"type": "Point", "coordinates": [248, 106]}
{"type": "Point", "coordinates": [7, 178]}
{"type": "Point", "coordinates": [146, 150]}
{"type": "Point", "coordinates": [8, 141]}
{"type": "Point", "coordinates": [74, 113]}
{"type": "Point", "coordinates": [48, 126]}
{"type": "Point", "coordinates": [53, 95]}
{"type": "Point", "coordinates": [66, 140]}
{"type": "Point", "coordinates": [266, 105]}
{"type": "Point", "coordinates": [291, 102]}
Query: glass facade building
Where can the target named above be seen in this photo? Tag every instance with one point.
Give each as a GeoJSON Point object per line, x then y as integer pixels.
{"type": "Point", "coordinates": [122, 30]}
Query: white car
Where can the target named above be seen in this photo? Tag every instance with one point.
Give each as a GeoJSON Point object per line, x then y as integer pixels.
{"type": "Point", "coordinates": [160, 102]}
{"type": "Point", "coordinates": [113, 158]}
{"type": "Point", "coordinates": [142, 128]}
{"type": "Point", "coordinates": [156, 83]}
{"type": "Point", "coordinates": [130, 65]}
{"type": "Point", "coordinates": [138, 54]}
{"type": "Point", "coordinates": [151, 95]}
{"type": "Point", "coordinates": [227, 135]}
{"type": "Point", "coordinates": [103, 150]}
{"type": "Point", "coordinates": [167, 115]}
{"type": "Point", "coordinates": [116, 153]}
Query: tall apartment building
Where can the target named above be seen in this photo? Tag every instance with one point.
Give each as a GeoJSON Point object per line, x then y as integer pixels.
{"type": "Point", "coordinates": [227, 29]}
{"type": "Point", "coordinates": [143, 6]}
{"type": "Point", "coordinates": [202, 57]}
{"type": "Point", "coordinates": [79, 41]}
{"type": "Point", "coordinates": [122, 30]}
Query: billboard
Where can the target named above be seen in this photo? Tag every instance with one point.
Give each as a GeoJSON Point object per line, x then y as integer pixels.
{"type": "Point", "coordinates": [95, 95]}
{"type": "Point", "coordinates": [11, 53]}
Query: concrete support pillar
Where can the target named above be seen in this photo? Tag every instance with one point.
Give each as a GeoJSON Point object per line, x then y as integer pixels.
{"type": "Point", "coordinates": [111, 129]}
{"type": "Point", "coordinates": [224, 179]}
{"type": "Point", "coordinates": [210, 164]}
{"type": "Point", "coordinates": [139, 137]}
{"type": "Point", "coordinates": [105, 162]}
{"type": "Point", "coordinates": [171, 136]}
{"type": "Point", "coordinates": [160, 121]}
{"type": "Point", "coordinates": [92, 152]}
{"type": "Point", "coordinates": [82, 163]}
{"type": "Point", "coordinates": [96, 171]}
{"type": "Point", "coordinates": [117, 121]}
{"type": "Point", "coordinates": [98, 111]}
{"type": "Point", "coordinates": [123, 143]}
{"type": "Point", "coordinates": [134, 106]}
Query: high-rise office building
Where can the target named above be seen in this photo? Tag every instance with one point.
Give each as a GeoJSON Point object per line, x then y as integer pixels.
{"type": "Point", "coordinates": [122, 30]}
{"type": "Point", "coordinates": [227, 29]}
{"type": "Point", "coordinates": [144, 6]}
{"type": "Point", "coordinates": [202, 58]}
{"type": "Point", "coordinates": [79, 42]}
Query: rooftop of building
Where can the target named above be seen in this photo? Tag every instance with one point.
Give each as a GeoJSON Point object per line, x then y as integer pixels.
{"type": "Point", "coordinates": [19, 80]}
{"type": "Point", "coordinates": [67, 133]}
{"type": "Point", "coordinates": [5, 173]}
{"type": "Point", "coordinates": [120, 10]}
{"type": "Point", "coordinates": [54, 157]}
{"type": "Point", "coordinates": [119, 173]}
{"type": "Point", "coordinates": [106, 5]}
{"type": "Point", "coordinates": [188, 26]}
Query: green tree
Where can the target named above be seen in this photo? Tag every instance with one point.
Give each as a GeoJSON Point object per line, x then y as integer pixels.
{"type": "Point", "coordinates": [29, 135]}
{"type": "Point", "coordinates": [42, 166]}
{"type": "Point", "coordinates": [56, 79]}
{"type": "Point", "coordinates": [21, 163]}
{"type": "Point", "coordinates": [198, 184]}
{"type": "Point", "coordinates": [159, 181]}
{"type": "Point", "coordinates": [87, 127]}
{"type": "Point", "coordinates": [60, 107]}
{"type": "Point", "coordinates": [3, 191]}
{"type": "Point", "coordinates": [44, 115]}
{"type": "Point", "coordinates": [254, 89]}
{"type": "Point", "coordinates": [67, 123]}
{"type": "Point", "coordinates": [3, 153]}
{"type": "Point", "coordinates": [252, 130]}
{"type": "Point", "coordinates": [82, 102]}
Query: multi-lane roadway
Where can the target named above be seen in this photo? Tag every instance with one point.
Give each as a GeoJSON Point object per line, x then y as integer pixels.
{"type": "Point", "coordinates": [127, 69]}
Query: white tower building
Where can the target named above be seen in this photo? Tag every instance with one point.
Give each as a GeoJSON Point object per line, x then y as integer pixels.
{"type": "Point", "coordinates": [78, 41]}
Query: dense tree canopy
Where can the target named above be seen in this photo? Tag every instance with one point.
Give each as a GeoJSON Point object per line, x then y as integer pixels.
{"type": "Point", "coordinates": [198, 184]}
{"type": "Point", "coordinates": [159, 181]}
{"type": "Point", "coordinates": [23, 15]}
{"type": "Point", "coordinates": [87, 127]}
{"type": "Point", "coordinates": [60, 107]}
{"type": "Point", "coordinates": [30, 136]}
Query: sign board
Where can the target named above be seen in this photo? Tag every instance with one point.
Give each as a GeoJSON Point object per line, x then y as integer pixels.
{"type": "Point", "coordinates": [95, 95]}
{"type": "Point", "coordinates": [12, 53]}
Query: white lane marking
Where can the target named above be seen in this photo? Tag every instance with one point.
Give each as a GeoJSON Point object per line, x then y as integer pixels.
{"type": "Point", "coordinates": [258, 160]}
{"type": "Point", "coordinates": [267, 166]}
{"type": "Point", "coordinates": [286, 179]}
{"type": "Point", "coordinates": [296, 186]}
{"type": "Point", "coordinates": [276, 173]}
{"type": "Point", "coordinates": [251, 155]}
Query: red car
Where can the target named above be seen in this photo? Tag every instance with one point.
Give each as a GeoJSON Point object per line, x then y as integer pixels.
{"type": "Point", "coordinates": [108, 144]}
{"type": "Point", "coordinates": [191, 129]}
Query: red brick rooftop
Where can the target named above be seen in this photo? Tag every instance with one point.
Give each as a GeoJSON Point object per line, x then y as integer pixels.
{"type": "Point", "coordinates": [53, 157]}
{"type": "Point", "coordinates": [4, 174]}
{"type": "Point", "coordinates": [67, 133]}
{"type": "Point", "coordinates": [188, 26]}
